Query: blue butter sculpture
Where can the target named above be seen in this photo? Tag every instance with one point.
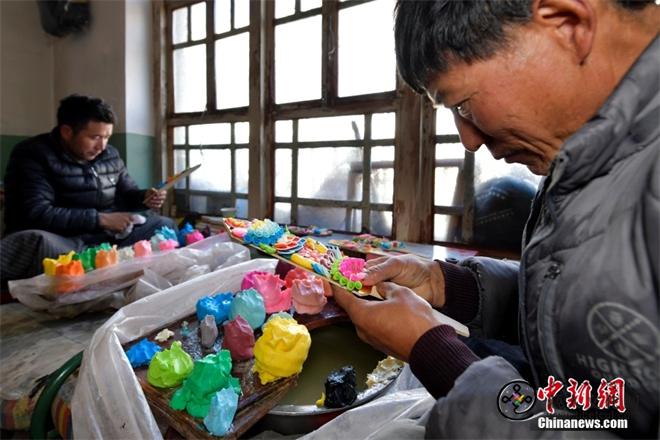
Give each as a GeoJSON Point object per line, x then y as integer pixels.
{"type": "Point", "coordinates": [217, 306]}
{"type": "Point", "coordinates": [222, 411]}
{"type": "Point", "coordinates": [250, 305]}
{"type": "Point", "coordinates": [140, 354]}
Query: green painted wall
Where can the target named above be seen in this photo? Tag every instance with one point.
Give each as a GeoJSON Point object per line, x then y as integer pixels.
{"type": "Point", "coordinates": [7, 143]}
{"type": "Point", "coordinates": [136, 150]}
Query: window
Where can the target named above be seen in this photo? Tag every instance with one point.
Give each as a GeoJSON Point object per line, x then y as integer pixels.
{"type": "Point", "coordinates": [296, 114]}
{"type": "Point", "coordinates": [208, 51]}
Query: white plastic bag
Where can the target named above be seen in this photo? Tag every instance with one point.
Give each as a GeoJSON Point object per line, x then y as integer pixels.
{"type": "Point", "coordinates": [111, 286]}
{"type": "Point", "coordinates": [108, 401]}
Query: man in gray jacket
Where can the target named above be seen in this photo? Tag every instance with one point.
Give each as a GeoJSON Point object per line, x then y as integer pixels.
{"type": "Point", "coordinates": [572, 90]}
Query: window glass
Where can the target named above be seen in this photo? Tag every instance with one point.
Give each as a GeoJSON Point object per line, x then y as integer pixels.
{"type": "Point", "coordinates": [180, 26]}
{"type": "Point", "coordinates": [198, 21]}
{"type": "Point", "coordinates": [284, 131]}
{"type": "Point", "coordinates": [284, 8]}
{"type": "Point", "coordinates": [381, 223]}
{"type": "Point", "coordinates": [366, 57]}
{"type": "Point", "coordinates": [179, 135]}
{"type": "Point", "coordinates": [242, 208]}
{"type": "Point", "coordinates": [334, 128]}
{"type": "Point", "coordinates": [283, 213]}
{"type": "Point", "coordinates": [306, 5]}
{"type": "Point", "coordinates": [215, 172]}
{"type": "Point", "coordinates": [242, 132]}
{"type": "Point", "coordinates": [232, 70]}
{"type": "Point", "coordinates": [330, 173]}
{"type": "Point", "coordinates": [222, 16]}
{"type": "Point", "coordinates": [283, 172]}
{"type": "Point", "coordinates": [382, 174]}
{"type": "Point", "coordinates": [179, 165]}
{"type": "Point", "coordinates": [446, 227]}
{"type": "Point", "coordinates": [242, 165]}
{"type": "Point", "coordinates": [241, 13]}
{"type": "Point", "coordinates": [487, 168]}
{"type": "Point", "coordinates": [444, 121]}
{"type": "Point", "coordinates": [298, 60]}
{"type": "Point", "coordinates": [343, 219]}
{"type": "Point", "coordinates": [199, 204]}
{"type": "Point", "coordinates": [445, 187]}
{"type": "Point", "coordinates": [210, 134]}
{"type": "Point", "coordinates": [190, 79]}
{"type": "Point", "coordinates": [383, 125]}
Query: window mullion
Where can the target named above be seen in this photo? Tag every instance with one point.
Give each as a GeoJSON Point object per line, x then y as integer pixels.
{"type": "Point", "coordinates": [329, 43]}
{"type": "Point", "coordinates": [211, 92]}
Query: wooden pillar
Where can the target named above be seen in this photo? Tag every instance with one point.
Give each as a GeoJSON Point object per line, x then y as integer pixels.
{"type": "Point", "coordinates": [261, 184]}
{"type": "Point", "coordinates": [413, 169]}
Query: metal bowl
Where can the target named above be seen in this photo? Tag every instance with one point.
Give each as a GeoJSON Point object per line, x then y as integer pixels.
{"type": "Point", "coordinates": [332, 348]}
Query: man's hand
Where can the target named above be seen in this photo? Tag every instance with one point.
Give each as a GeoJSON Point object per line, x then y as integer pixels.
{"type": "Point", "coordinates": [115, 221]}
{"type": "Point", "coordinates": [154, 198]}
{"type": "Point", "coordinates": [424, 277]}
{"type": "Point", "coordinates": [393, 325]}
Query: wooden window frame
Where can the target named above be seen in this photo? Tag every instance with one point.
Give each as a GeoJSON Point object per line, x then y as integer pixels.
{"type": "Point", "coordinates": [414, 141]}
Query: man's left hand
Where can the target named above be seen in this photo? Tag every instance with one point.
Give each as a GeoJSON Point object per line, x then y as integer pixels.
{"type": "Point", "coordinates": [154, 198]}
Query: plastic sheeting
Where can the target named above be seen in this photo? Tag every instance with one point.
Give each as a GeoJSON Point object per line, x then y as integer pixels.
{"type": "Point", "coordinates": [118, 285]}
{"type": "Point", "coordinates": [108, 401]}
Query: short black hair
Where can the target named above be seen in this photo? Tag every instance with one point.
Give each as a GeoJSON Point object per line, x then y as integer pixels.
{"type": "Point", "coordinates": [429, 33]}
{"type": "Point", "coordinates": [78, 110]}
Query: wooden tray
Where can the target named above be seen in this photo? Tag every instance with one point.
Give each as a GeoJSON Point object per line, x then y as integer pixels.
{"type": "Point", "coordinates": [255, 401]}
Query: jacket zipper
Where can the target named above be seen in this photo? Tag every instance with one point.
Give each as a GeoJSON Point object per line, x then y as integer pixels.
{"type": "Point", "coordinates": [546, 337]}
{"type": "Point", "coordinates": [99, 189]}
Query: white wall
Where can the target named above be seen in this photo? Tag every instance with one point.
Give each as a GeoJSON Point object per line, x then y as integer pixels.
{"type": "Point", "coordinates": [139, 73]}
{"type": "Point", "coordinates": [27, 101]}
{"type": "Point", "coordinates": [92, 63]}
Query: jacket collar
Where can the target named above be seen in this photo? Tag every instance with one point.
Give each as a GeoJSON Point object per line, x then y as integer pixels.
{"type": "Point", "coordinates": [626, 123]}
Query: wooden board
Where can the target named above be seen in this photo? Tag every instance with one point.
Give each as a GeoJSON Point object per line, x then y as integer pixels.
{"type": "Point", "coordinates": [461, 329]}
{"type": "Point", "coordinates": [255, 401]}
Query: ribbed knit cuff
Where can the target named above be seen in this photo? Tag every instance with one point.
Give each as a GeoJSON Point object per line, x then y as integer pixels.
{"type": "Point", "coordinates": [438, 358]}
{"type": "Point", "coordinates": [461, 292]}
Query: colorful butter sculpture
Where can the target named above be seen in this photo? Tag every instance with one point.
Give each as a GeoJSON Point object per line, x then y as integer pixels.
{"type": "Point", "coordinates": [50, 264]}
{"type": "Point", "coordinates": [106, 258]}
{"type": "Point", "coordinates": [306, 253]}
{"type": "Point", "coordinates": [164, 335]}
{"type": "Point", "coordinates": [140, 354]}
{"type": "Point", "coordinates": [105, 255]}
{"type": "Point", "coordinates": [208, 331]}
{"type": "Point", "coordinates": [209, 375]}
{"type": "Point", "coordinates": [218, 305]}
{"type": "Point", "coordinates": [309, 295]}
{"type": "Point", "coordinates": [73, 268]}
{"type": "Point", "coordinates": [250, 305]}
{"type": "Point", "coordinates": [281, 350]}
{"type": "Point", "coordinates": [168, 368]}
{"type": "Point", "coordinates": [248, 279]}
{"type": "Point", "coordinates": [142, 248]}
{"type": "Point", "coordinates": [194, 237]}
{"type": "Point", "coordinates": [223, 409]}
{"type": "Point", "coordinates": [270, 287]}
{"type": "Point", "coordinates": [238, 339]}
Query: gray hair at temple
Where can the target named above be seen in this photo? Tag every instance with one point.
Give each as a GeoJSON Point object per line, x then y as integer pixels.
{"type": "Point", "coordinates": [429, 33]}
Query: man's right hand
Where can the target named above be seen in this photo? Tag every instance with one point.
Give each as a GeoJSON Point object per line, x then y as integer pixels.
{"type": "Point", "coordinates": [115, 221]}
{"type": "Point", "coordinates": [423, 277]}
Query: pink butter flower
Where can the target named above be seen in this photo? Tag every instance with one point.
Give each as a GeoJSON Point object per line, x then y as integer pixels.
{"type": "Point", "coordinates": [270, 287]}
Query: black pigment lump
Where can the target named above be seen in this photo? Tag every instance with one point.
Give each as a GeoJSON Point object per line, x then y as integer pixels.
{"type": "Point", "coordinates": [340, 388]}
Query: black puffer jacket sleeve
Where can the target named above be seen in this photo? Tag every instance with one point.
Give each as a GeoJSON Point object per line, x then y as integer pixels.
{"type": "Point", "coordinates": [35, 199]}
{"type": "Point", "coordinates": [128, 191]}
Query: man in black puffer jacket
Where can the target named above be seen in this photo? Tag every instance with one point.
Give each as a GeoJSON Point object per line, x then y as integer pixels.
{"type": "Point", "coordinates": [68, 189]}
